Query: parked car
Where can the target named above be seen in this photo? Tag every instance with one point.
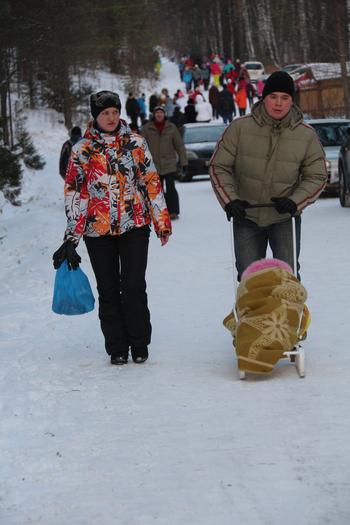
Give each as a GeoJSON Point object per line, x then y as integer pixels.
{"type": "Point", "coordinates": [254, 68]}
{"type": "Point", "coordinates": [200, 141]}
{"type": "Point", "coordinates": [301, 76]}
{"type": "Point", "coordinates": [344, 173]}
{"type": "Point", "coordinates": [332, 134]}
{"type": "Point", "coordinates": [289, 68]}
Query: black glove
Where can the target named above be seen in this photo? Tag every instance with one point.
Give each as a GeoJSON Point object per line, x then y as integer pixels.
{"type": "Point", "coordinates": [66, 251]}
{"type": "Point", "coordinates": [285, 205]}
{"type": "Point", "coordinates": [236, 209]}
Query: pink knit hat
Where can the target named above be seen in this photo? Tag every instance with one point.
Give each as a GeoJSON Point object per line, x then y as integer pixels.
{"type": "Point", "coordinates": [263, 264]}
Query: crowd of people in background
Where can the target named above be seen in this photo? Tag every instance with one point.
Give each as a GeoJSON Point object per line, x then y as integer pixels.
{"type": "Point", "coordinates": [221, 73]}
{"type": "Point", "coordinates": [214, 87]}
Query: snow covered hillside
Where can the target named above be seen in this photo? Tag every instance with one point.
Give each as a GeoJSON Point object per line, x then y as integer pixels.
{"type": "Point", "coordinates": [178, 440]}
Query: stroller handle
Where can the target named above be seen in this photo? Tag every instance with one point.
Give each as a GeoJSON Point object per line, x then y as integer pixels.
{"type": "Point", "coordinates": [264, 205]}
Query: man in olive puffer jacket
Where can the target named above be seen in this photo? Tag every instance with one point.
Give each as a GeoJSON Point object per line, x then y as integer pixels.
{"type": "Point", "coordinates": [269, 156]}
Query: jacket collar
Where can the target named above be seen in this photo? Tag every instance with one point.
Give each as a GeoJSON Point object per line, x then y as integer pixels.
{"type": "Point", "coordinates": [96, 135]}
{"type": "Point", "coordinates": [291, 120]}
{"type": "Point", "coordinates": [152, 124]}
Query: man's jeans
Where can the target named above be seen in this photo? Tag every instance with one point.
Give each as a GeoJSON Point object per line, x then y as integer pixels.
{"type": "Point", "coordinates": [251, 242]}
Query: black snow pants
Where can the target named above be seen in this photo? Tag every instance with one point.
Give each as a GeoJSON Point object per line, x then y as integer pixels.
{"type": "Point", "coordinates": [119, 264]}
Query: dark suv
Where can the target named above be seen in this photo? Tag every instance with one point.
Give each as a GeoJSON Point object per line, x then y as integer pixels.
{"type": "Point", "coordinates": [344, 173]}
{"type": "Point", "coordinates": [200, 141]}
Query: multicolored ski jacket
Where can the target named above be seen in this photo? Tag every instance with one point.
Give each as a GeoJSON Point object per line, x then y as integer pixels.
{"type": "Point", "coordinates": [112, 186]}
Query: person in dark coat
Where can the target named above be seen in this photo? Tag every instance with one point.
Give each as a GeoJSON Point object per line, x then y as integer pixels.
{"type": "Point", "coordinates": [178, 119]}
{"type": "Point", "coordinates": [132, 110]}
{"type": "Point", "coordinates": [142, 105]}
{"type": "Point", "coordinates": [205, 72]}
{"type": "Point", "coordinates": [251, 93]}
{"type": "Point", "coordinates": [190, 112]}
{"type": "Point", "coordinates": [214, 100]}
{"type": "Point", "coordinates": [196, 75]}
{"type": "Point", "coordinates": [226, 105]}
{"type": "Point", "coordinates": [75, 136]}
{"type": "Point", "coordinates": [166, 144]}
{"type": "Point", "coordinates": [153, 102]}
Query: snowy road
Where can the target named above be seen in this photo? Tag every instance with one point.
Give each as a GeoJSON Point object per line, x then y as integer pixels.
{"type": "Point", "coordinates": [179, 439]}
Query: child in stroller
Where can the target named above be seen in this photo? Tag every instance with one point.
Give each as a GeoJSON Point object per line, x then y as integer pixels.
{"type": "Point", "coordinates": [270, 316]}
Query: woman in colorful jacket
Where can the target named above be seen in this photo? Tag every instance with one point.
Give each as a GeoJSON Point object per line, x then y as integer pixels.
{"type": "Point", "coordinates": [112, 194]}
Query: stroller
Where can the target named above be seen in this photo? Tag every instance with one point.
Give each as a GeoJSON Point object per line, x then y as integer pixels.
{"type": "Point", "coordinates": [270, 317]}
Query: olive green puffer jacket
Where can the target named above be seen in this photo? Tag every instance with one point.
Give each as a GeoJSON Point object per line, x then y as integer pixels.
{"type": "Point", "coordinates": [258, 158]}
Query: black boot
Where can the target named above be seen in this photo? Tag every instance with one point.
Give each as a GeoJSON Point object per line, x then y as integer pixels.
{"type": "Point", "coordinates": [119, 359]}
{"type": "Point", "coordinates": [139, 354]}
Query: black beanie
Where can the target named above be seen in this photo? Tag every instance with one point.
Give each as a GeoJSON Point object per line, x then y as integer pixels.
{"type": "Point", "coordinates": [280, 82]}
{"type": "Point", "coordinates": [103, 100]}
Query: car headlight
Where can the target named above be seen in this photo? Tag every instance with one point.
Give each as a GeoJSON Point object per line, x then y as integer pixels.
{"type": "Point", "coordinates": [191, 155]}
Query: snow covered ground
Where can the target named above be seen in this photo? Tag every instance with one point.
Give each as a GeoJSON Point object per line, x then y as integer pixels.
{"type": "Point", "coordinates": [178, 440]}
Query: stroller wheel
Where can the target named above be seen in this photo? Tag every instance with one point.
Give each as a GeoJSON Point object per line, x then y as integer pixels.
{"type": "Point", "coordinates": [241, 374]}
{"type": "Point", "coordinates": [300, 362]}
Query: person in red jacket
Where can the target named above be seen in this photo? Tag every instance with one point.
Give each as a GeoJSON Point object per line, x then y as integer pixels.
{"type": "Point", "coordinates": [112, 195]}
{"type": "Point", "coordinates": [241, 96]}
{"type": "Point", "coordinates": [230, 86]}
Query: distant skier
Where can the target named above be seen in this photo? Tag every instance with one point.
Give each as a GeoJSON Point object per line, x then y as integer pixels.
{"type": "Point", "coordinates": [75, 135]}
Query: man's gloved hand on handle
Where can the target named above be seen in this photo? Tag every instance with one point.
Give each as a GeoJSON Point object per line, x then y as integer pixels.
{"type": "Point", "coordinates": [236, 209]}
{"type": "Point", "coordinates": [66, 251]}
{"type": "Point", "coordinates": [285, 205]}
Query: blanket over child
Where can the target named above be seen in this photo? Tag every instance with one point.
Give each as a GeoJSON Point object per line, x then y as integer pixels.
{"type": "Point", "coordinates": [272, 318]}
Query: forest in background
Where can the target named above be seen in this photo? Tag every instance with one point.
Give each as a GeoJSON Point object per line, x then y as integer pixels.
{"type": "Point", "coordinates": [276, 32]}
{"type": "Point", "coordinates": [46, 46]}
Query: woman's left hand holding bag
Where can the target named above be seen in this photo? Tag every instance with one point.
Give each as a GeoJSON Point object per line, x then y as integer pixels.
{"type": "Point", "coordinates": [72, 291]}
{"type": "Point", "coordinates": [66, 251]}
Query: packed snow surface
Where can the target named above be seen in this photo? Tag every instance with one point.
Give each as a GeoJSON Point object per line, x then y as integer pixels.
{"type": "Point", "coordinates": [178, 440]}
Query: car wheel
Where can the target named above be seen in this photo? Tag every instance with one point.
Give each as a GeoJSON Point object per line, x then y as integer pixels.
{"type": "Point", "coordinates": [344, 192]}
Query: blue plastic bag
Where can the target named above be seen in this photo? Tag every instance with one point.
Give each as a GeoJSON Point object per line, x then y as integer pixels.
{"type": "Point", "coordinates": [72, 293]}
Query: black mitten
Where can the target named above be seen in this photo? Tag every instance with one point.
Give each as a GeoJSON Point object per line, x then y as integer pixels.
{"type": "Point", "coordinates": [236, 209]}
{"type": "Point", "coordinates": [66, 251]}
{"type": "Point", "coordinates": [285, 205]}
